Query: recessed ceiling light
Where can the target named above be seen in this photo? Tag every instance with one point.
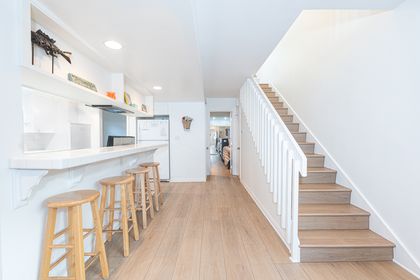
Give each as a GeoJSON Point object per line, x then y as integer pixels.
{"type": "Point", "coordinates": [113, 45]}
{"type": "Point", "coordinates": [157, 88]}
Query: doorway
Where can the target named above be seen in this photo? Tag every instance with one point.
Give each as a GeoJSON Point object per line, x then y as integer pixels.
{"type": "Point", "coordinates": [220, 143]}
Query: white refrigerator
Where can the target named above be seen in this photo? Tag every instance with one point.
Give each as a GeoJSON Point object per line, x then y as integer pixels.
{"type": "Point", "coordinates": [157, 129]}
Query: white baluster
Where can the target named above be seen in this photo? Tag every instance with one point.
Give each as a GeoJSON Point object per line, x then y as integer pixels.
{"type": "Point", "coordinates": [284, 185]}
{"type": "Point", "coordinates": [295, 212]}
{"type": "Point", "coordinates": [289, 197]}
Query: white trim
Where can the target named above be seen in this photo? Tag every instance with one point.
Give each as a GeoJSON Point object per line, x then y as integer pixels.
{"type": "Point", "coordinates": [407, 269]}
{"type": "Point", "coordinates": [188, 180]}
{"type": "Point", "coordinates": [330, 162]}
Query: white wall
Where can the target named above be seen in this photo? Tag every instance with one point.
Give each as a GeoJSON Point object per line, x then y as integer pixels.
{"type": "Point", "coordinates": [10, 126]}
{"type": "Point", "coordinates": [187, 147]}
{"type": "Point", "coordinates": [352, 77]}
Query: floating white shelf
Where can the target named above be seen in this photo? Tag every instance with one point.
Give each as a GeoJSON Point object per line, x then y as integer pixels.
{"type": "Point", "coordinates": [45, 82]}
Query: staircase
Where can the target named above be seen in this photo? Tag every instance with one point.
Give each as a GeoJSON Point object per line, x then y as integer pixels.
{"type": "Point", "coordinates": [330, 227]}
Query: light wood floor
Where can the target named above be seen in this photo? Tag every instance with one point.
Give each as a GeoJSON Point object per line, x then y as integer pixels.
{"type": "Point", "coordinates": [214, 230]}
{"type": "Point", "coordinates": [217, 168]}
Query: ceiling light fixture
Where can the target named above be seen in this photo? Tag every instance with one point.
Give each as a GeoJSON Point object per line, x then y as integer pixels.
{"type": "Point", "coordinates": [157, 88]}
{"type": "Point", "coordinates": [113, 45]}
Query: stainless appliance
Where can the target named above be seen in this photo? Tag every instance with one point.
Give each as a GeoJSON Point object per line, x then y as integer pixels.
{"type": "Point", "coordinates": [120, 140]}
{"type": "Point", "coordinates": [157, 129]}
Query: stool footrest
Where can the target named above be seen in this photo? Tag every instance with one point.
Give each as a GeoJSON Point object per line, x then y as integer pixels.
{"type": "Point", "coordinates": [91, 260]}
{"type": "Point", "coordinates": [61, 232]}
{"type": "Point", "coordinates": [118, 230]}
{"type": "Point", "coordinates": [60, 246]}
{"type": "Point", "coordinates": [59, 260]}
{"type": "Point", "coordinates": [115, 209]}
{"type": "Point", "coordinates": [88, 231]}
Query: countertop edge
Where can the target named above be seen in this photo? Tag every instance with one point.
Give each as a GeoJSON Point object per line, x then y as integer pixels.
{"type": "Point", "coordinates": [70, 159]}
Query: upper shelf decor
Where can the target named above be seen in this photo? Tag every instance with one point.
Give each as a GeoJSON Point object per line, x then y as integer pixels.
{"type": "Point", "coordinates": [44, 41]}
{"type": "Point", "coordinates": [186, 122]}
{"type": "Point", "coordinates": [127, 99]}
{"type": "Point", "coordinates": [81, 82]}
{"type": "Point", "coordinates": [144, 108]}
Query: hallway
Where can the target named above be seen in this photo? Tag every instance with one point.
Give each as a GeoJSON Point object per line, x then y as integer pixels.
{"type": "Point", "coordinates": [214, 230]}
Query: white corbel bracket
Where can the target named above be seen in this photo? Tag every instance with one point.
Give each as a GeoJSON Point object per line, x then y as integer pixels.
{"type": "Point", "coordinates": [24, 181]}
{"type": "Point", "coordinates": [75, 176]}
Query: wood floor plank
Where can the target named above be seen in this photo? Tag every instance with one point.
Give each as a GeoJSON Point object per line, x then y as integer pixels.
{"type": "Point", "coordinates": [382, 270]}
{"type": "Point", "coordinates": [138, 263]}
{"type": "Point", "coordinates": [164, 261]}
{"type": "Point", "coordinates": [260, 260]}
{"type": "Point", "coordinates": [291, 272]}
{"type": "Point", "coordinates": [236, 259]}
{"type": "Point", "coordinates": [212, 261]}
{"type": "Point", "coordinates": [188, 262]}
{"type": "Point", "coordinates": [320, 271]}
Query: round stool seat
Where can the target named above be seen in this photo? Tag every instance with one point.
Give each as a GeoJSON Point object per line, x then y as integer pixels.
{"type": "Point", "coordinates": [138, 170]}
{"type": "Point", "coordinates": [150, 164]}
{"type": "Point", "coordinates": [70, 199]}
{"type": "Point", "coordinates": [117, 180]}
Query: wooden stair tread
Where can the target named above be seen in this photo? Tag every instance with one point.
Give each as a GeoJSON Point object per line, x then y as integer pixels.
{"type": "Point", "coordinates": [320, 169]}
{"type": "Point", "coordinates": [341, 239]}
{"type": "Point", "coordinates": [323, 188]}
{"type": "Point", "coordinates": [331, 210]}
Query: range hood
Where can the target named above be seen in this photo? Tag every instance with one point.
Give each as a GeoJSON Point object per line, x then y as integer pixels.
{"type": "Point", "coordinates": [112, 109]}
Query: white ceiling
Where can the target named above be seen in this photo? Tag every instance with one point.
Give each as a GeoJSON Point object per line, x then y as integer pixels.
{"type": "Point", "coordinates": [192, 48]}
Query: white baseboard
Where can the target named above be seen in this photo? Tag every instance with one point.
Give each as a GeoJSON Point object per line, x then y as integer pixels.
{"type": "Point", "coordinates": [382, 226]}
{"type": "Point", "coordinates": [188, 180]}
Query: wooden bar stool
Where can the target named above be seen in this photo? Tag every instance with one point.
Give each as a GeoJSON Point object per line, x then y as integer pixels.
{"type": "Point", "coordinates": [125, 184]}
{"type": "Point", "coordinates": [75, 252]}
{"type": "Point", "coordinates": [143, 195]}
{"type": "Point", "coordinates": [155, 180]}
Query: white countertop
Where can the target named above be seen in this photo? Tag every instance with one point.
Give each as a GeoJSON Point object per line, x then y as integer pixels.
{"type": "Point", "coordinates": [68, 159]}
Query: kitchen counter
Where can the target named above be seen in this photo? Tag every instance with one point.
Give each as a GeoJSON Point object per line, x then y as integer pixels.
{"type": "Point", "coordinates": [68, 159]}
